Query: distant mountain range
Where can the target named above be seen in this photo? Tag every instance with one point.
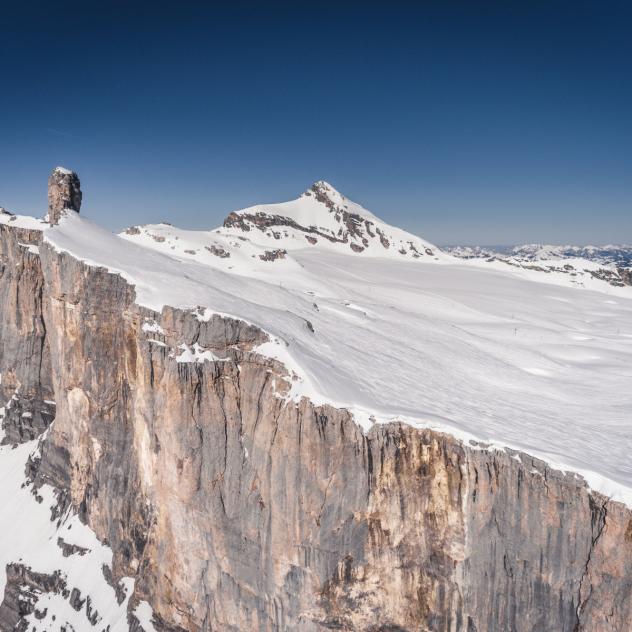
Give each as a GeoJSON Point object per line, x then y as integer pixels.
{"type": "Point", "coordinates": [619, 255]}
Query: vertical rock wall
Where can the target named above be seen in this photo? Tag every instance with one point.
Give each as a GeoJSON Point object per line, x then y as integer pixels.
{"type": "Point", "coordinates": [26, 391]}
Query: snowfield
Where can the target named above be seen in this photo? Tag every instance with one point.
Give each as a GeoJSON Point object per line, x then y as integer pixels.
{"type": "Point", "coordinates": [507, 355]}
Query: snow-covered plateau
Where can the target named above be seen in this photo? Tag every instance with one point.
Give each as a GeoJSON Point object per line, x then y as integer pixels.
{"type": "Point", "coordinates": [537, 360]}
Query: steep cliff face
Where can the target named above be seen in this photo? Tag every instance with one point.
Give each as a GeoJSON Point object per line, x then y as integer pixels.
{"type": "Point", "coordinates": [232, 506]}
{"type": "Point", "coordinates": [25, 372]}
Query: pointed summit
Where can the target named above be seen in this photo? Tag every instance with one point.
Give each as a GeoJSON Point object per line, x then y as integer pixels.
{"type": "Point", "coordinates": [326, 194]}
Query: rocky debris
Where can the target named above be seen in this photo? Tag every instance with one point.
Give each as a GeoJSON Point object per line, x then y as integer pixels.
{"type": "Point", "coordinates": [613, 277]}
{"type": "Point", "coordinates": [626, 275]}
{"type": "Point", "coordinates": [68, 549]}
{"type": "Point", "coordinates": [26, 419]}
{"type": "Point", "coordinates": [350, 226]}
{"type": "Point", "coordinates": [23, 588]}
{"type": "Point", "coordinates": [75, 600]}
{"type": "Point", "coordinates": [64, 193]}
{"type": "Point", "coordinates": [273, 255]}
{"type": "Point", "coordinates": [617, 278]}
{"type": "Point", "coordinates": [118, 587]}
{"type": "Point", "coordinates": [132, 230]}
{"type": "Point", "coordinates": [383, 239]}
{"type": "Point", "coordinates": [218, 251]}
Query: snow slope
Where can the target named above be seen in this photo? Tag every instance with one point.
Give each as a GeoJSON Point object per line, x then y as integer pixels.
{"type": "Point", "coordinates": [30, 537]}
{"type": "Point", "coordinates": [503, 354]}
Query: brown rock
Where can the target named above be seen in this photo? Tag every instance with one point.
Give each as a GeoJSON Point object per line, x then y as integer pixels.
{"type": "Point", "coordinates": [64, 193]}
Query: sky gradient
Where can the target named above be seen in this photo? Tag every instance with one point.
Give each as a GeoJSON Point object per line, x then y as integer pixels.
{"type": "Point", "coordinates": [473, 123]}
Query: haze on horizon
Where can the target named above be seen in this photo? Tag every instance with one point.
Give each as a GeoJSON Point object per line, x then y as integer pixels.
{"type": "Point", "coordinates": [464, 124]}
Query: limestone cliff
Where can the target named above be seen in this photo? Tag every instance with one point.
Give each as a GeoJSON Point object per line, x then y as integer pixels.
{"type": "Point", "coordinates": [25, 372]}
{"type": "Point", "coordinates": [236, 508]}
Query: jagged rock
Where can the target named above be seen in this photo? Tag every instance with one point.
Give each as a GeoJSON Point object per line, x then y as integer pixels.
{"type": "Point", "coordinates": [626, 275]}
{"type": "Point", "coordinates": [273, 255]}
{"type": "Point", "coordinates": [64, 193]}
{"type": "Point", "coordinates": [75, 600]}
{"type": "Point", "coordinates": [21, 593]}
{"type": "Point", "coordinates": [218, 251]}
{"type": "Point", "coordinates": [70, 549]}
{"type": "Point", "coordinates": [119, 590]}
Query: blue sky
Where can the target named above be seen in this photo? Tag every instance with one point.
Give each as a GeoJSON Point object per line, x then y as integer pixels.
{"type": "Point", "coordinates": [462, 122]}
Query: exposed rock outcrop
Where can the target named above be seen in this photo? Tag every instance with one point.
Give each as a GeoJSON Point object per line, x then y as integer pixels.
{"type": "Point", "coordinates": [626, 275]}
{"type": "Point", "coordinates": [64, 193]}
{"type": "Point", "coordinates": [24, 588]}
{"type": "Point", "coordinates": [339, 224]}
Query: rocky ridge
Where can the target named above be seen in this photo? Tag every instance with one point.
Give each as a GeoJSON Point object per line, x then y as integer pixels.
{"type": "Point", "coordinates": [233, 507]}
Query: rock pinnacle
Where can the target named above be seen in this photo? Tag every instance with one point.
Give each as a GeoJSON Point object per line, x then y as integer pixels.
{"type": "Point", "coordinates": [64, 192]}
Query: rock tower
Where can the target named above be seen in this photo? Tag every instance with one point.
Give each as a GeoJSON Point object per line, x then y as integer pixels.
{"type": "Point", "coordinates": [64, 192]}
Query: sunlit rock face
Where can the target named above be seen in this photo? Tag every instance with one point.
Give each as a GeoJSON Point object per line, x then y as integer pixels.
{"type": "Point", "coordinates": [64, 193]}
{"type": "Point", "coordinates": [26, 392]}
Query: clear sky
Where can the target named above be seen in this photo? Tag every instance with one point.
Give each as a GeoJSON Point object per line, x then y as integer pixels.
{"type": "Point", "coordinates": [472, 122]}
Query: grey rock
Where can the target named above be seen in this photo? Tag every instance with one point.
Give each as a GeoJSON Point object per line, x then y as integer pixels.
{"type": "Point", "coordinates": [23, 588]}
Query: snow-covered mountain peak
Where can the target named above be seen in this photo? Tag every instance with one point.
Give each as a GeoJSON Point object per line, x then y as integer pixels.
{"type": "Point", "coordinates": [323, 217]}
